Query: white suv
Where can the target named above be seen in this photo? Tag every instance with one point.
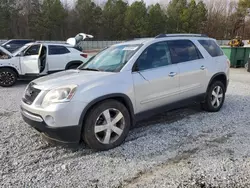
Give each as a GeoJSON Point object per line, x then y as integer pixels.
{"type": "Point", "coordinates": [39, 59]}
{"type": "Point", "coordinates": [102, 99]}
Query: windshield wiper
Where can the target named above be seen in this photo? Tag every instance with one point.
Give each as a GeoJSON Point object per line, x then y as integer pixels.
{"type": "Point", "coordinates": [89, 69]}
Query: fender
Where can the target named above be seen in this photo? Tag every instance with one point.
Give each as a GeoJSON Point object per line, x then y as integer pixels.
{"type": "Point", "coordinates": [78, 62]}
{"type": "Point", "coordinates": [13, 67]}
{"type": "Point", "coordinates": [126, 99]}
{"type": "Point", "coordinates": [214, 76]}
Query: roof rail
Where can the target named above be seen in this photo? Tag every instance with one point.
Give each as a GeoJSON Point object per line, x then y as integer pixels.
{"type": "Point", "coordinates": [181, 35]}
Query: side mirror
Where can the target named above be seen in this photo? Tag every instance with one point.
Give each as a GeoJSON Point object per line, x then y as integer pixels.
{"type": "Point", "coordinates": [7, 46]}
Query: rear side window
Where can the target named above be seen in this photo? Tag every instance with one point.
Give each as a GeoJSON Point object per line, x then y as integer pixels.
{"type": "Point", "coordinates": [183, 51]}
{"type": "Point", "coordinates": [57, 50]}
{"type": "Point", "coordinates": [212, 48]}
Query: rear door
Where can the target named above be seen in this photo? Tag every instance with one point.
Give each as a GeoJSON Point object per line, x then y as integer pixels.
{"type": "Point", "coordinates": [58, 57]}
{"type": "Point", "coordinates": [156, 78]}
{"type": "Point", "coordinates": [30, 60]}
{"type": "Point", "coordinates": [192, 67]}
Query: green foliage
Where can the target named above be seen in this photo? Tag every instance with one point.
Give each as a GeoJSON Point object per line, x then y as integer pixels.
{"type": "Point", "coordinates": [113, 19]}
{"type": "Point", "coordinates": [117, 20]}
{"type": "Point", "coordinates": [186, 17]}
{"type": "Point", "coordinates": [156, 20]}
{"type": "Point", "coordinates": [136, 20]}
{"type": "Point", "coordinates": [7, 11]}
{"type": "Point", "coordinates": [51, 21]}
{"type": "Point", "coordinates": [89, 17]}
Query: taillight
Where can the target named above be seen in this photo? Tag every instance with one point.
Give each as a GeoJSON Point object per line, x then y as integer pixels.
{"type": "Point", "coordinates": [84, 55]}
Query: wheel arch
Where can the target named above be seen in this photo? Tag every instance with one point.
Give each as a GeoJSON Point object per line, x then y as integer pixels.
{"type": "Point", "coordinates": [75, 62]}
{"type": "Point", "coordinates": [12, 68]}
{"type": "Point", "coordinates": [221, 76]}
{"type": "Point", "coordinates": [124, 99]}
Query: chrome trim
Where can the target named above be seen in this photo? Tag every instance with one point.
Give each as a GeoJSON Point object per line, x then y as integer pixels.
{"type": "Point", "coordinates": [31, 116]}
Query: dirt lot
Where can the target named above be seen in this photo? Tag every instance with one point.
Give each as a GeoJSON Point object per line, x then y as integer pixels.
{"type": "Point", "coordinates": [182, 148]}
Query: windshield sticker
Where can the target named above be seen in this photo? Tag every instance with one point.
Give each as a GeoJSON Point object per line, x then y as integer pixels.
{"type": "Point", "coordinates": [132, 48]}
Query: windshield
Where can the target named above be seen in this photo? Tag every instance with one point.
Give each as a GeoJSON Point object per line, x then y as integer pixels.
{"type": "Point", "coordinates": [23, 48]}
{"type": "Point", "coordinates": [111, 59]}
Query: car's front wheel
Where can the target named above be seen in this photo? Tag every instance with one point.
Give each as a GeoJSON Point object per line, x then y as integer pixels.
{"type": "Point", "coordinates": [215, 97]}
{"type": "Point", "coordinates": [8, 77]}
{"type": "Point", "coordinates": [107, 125]}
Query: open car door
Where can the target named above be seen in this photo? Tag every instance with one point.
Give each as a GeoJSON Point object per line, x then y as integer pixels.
{"type": "Point", "coordinates": [30, 59]}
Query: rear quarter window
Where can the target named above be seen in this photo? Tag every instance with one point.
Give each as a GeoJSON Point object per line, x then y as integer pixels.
{"type": "Point", "coordinates": [57, 50]}
{"type": "Point", "coordinates": [211, 47]}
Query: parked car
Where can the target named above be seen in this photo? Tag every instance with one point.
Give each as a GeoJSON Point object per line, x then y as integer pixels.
{"type": "Point", "coordinates": [14, 44]}
{"type": "Point", "coordinates": [127, 82]}
{"type": "Point", "coordinates": [38, 59]}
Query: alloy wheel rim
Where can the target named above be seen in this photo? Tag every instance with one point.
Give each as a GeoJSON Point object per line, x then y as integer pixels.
{"type": "Point", "coordinates": [7, 78]}
{"type": "Point", "coordinates": [109, 126]}
{"type": "Point", "coordinates": [217, 96]}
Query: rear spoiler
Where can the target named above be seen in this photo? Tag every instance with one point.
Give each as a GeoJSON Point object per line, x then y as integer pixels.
{"type": "Point", "coordinates": [78, 38]}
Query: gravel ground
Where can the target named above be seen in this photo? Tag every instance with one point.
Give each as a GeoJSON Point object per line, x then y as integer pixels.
{"type": "Point", "coordinates": [182, 148]}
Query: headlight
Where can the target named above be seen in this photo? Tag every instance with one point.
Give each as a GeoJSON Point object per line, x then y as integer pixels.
{"type": "Point", "coordinates": [58, 95]}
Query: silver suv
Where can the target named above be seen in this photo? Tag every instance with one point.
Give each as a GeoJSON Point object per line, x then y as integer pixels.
{"type": "Point", "coordinates": [99, 101]}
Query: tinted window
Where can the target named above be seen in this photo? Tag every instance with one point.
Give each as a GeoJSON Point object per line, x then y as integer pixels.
{"type": "Point", "coordinates": [212, 48]}
{"type": "Point", "coordinates": [183, 50]}
{"type": "Point", "coordinates": [56, 50]}
{"type": "Point", "coordinates": [22, 42]}
{"type": "Point", "coordinates": [33, 50]}
{"type": "Point", "coordinates": [154, 56]}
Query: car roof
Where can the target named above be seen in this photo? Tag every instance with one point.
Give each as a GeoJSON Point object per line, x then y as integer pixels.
{"type": "Point", "coordinates": [135, 41]}
{"type": "Point", "coordinates": [50, 43]}
{"type": "Point", "coordinates": [55, 44]}
{"type": "Point", "coordinates": [139, 41]}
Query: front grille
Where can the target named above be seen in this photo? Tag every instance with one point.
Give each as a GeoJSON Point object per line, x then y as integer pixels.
{"type": "Point", "coordinates": [30, 94]}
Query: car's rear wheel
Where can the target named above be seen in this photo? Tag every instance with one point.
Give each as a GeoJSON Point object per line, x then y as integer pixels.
{"type": "Point", "coordinates": [107, 125]}
{"type": "Point", "coordinates": [8, 77]}
{"type": "Point", "coordinates": [215, 97]}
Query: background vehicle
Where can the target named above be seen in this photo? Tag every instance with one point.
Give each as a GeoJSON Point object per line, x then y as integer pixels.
{"type": "Point", "coordinates": [14, 44]}
{"type": "Point", "coordinates": [38, 59]}
{"type": "Point", "coordinates": [125, 83]}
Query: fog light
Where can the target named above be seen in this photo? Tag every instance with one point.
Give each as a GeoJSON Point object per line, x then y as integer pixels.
{"type": "Point", "coordinates": [49, 120]}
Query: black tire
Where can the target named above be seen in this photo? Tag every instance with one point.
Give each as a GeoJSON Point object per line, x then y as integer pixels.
{"type": "Point", "coordinates": [208, 104]}
{"type": "Point", "coordinates": [8, 77]}
{"type": "Point", "coordinates": [74, 66]}
{"type": "Point", "coordinates": [89, 135]}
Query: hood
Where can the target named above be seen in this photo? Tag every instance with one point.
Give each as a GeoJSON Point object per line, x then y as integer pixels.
{"type": "Point", "coordinates": [78, 77]}
{"type": "Point", "coordinates": [5, 51]}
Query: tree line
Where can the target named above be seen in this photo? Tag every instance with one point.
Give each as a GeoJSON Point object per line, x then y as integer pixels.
{"type": "Point", "coordinates": [118, 20]}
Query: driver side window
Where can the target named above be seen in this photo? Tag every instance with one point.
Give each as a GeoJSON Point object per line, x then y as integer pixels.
{"type": "Point", "coordinates": [33, 50]}
{"type": "Point", "coordinates": [156, 55]}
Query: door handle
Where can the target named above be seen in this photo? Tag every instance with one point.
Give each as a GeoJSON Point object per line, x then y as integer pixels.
{"type": "Point", "coordinates": [203, 67]}
{"type": "Point", "coordinates": [172, 74]}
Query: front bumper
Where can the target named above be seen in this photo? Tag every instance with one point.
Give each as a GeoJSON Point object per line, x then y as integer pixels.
{"type": "Point", "coordinates": [64, 135]}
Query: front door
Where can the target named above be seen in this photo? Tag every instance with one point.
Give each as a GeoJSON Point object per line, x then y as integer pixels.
{"type": "Point", "coordinates": [30, 60]}
{"type": "Point", "coordinates": [156, 79]}
{"type": "Point", "coordinates": [192, 66]}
